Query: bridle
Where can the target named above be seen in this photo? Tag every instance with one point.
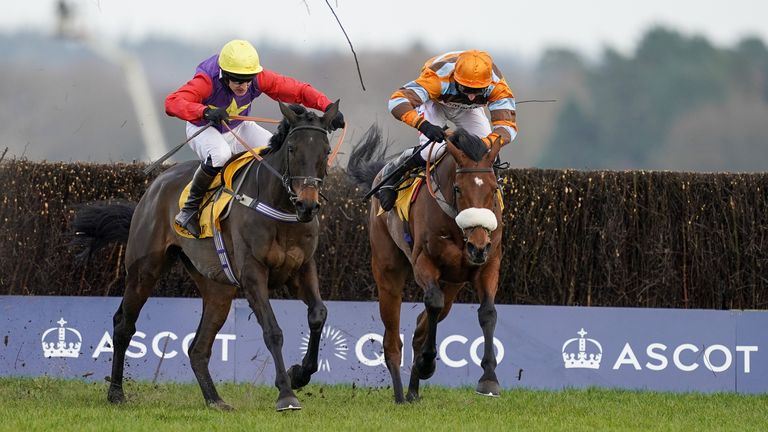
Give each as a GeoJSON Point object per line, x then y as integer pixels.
{"type": "Point", "coordinates": [287, 178]}
{"type": "Point", "coordinates": [449, 209]}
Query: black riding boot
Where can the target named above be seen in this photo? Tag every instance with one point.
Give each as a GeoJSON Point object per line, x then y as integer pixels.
{"type": "Point", "coordinates": [387, 194]}
{"type": "Point", "coordinates": [187, 217]}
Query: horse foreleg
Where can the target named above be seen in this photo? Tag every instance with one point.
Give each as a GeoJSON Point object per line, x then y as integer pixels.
{"type": "Point", "coordinates": [217, 299]}
{"type": "Point", "coordinates": [257, 293]}
{"type": "Point", "coordinates": [425, 336]}
{"type": "Point", "coordinates": [486, 284]}
{"type": "Point", "coordinates": [307, 286]}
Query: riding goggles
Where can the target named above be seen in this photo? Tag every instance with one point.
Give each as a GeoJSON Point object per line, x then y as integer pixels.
{"type": "Point", "coordinates": [237, 79]}
{"type": "Point", "coordinates": [471, 90]}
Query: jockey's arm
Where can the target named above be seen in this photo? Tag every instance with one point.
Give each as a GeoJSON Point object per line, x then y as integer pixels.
{"type": "Point", "coordinates": [501, 104]}
{"type": "Point", "coordinates": [186, 103]}
{"type": "Point", "coordinates": [286, 89]}
{"type": "Point", "coordinates": [405, 100]}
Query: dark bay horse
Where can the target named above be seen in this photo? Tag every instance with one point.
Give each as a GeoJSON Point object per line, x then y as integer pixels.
{"type": "Point", "coordinates": [264, 253]}
{"type": "Point", "coordinates": [454, 242]}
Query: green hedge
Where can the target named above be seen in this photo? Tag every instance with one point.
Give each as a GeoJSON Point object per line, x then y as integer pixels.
{"type": "Point", "coordinates": [635, 238]}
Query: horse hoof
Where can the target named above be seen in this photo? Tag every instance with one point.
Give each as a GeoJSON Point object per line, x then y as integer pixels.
{"type": "Point", "coordinates": [116, 396]}
{"type": "Point", "coordinates": [220, 405]}
{"type": "Point", "coordinates": [412, 397]}
{"type": "Point", "coordinates": [297, 377]}
{"type": "Point", "coordinates": [288, 404]}
{"type": "Point", "coordinates": [488, 388]}
{"type": "Point", "coordinates": [426, 368]}
{"type": "Point", "coordinates": [426, 371]}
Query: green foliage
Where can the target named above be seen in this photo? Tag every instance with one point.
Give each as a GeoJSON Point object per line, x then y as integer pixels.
{"type": "Point", "coordinates": [633, 102]}
{"type": "Point", "coordinates": [51, 404]}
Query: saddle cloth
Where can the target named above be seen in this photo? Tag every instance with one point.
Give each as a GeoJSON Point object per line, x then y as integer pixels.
{"type": "Point", "coordinates": [212, 210]}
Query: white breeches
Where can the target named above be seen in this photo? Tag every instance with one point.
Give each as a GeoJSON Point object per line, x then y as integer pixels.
{"type": "Point", "coordinates": [473, 120]}
{"type": "Point", "coordinates": [221, 146]}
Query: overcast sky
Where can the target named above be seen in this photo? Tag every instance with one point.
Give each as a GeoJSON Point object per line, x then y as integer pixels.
{"type": "Point", "coordinates": [517, 27]}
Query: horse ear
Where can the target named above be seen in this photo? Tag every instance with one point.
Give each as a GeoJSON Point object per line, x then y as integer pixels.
{"type": "Point", "coordinates": [330, 113]}
{"type": "Point", "coordinates": [495, 148]}
{"type": "Point", "coordinates": [288, 113]}
{"type": "Point", "coordinates": [452, 149]}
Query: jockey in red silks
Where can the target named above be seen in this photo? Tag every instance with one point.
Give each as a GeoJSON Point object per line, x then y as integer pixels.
{"type": "Point", "coordinates": [454, 87]}
{"type": "Point", "coordinates": [226, 84]}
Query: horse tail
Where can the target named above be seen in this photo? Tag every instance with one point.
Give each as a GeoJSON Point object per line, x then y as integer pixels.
{"type": "Point", "coordinates": [367, 157]}
{"type": "Point", "coordinates": [98, 225]}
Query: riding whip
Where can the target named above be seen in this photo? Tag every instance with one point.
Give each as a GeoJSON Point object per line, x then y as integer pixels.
{"type": "Point", "coordinates": [154, 165]}
{"type": "Point", "coordinates": [392, 174]}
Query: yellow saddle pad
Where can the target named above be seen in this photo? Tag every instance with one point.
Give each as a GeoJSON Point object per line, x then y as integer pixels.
{"type": "Point", "coordinates": [404, 198]}
{"type": "Point", "coordinates": [213, 209]}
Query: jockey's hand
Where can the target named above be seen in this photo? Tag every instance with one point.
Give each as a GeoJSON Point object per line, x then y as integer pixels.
{"type": "Point", "coordinates": [434, 133]}
{"type": "Point", "coordinates": [338, 121]}
{"type": "Point", "coordinates": [216, 115]}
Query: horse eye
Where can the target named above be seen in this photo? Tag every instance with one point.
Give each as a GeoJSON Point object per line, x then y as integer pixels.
{"type": "Point", "coordinates": [456, 189]}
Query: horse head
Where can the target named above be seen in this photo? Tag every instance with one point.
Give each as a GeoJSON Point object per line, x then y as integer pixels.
{"type": "Point", "coordinates": [303, 138]}
{"type": "Point", "coordinates": [475, 193]}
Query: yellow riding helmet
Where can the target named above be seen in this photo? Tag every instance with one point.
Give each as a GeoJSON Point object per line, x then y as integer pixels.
{"type": "Point", "coordinates": [474, 69]}
{"type": "Point", "coordinates": [239, 57]}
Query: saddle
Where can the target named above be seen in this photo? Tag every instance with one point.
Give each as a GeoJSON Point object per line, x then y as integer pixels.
{"type": "Point", "coordinates": [214, 206]}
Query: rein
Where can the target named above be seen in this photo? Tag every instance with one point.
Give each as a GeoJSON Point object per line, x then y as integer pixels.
{"type": "Point", "coordinates": [447, 208]}
{"type": "Point", "coordinates": [331, 158]}
{"type": "Point", "coordinates": [286, 178]}
{"type": "Point", "coordinates": [254, 119]}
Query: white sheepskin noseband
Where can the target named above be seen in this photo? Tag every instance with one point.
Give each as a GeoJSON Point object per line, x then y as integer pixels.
{"type": "Point", "coordinates": [473, 217]}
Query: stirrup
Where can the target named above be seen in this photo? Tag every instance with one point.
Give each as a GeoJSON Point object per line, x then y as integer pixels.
{"type": "Point", "coordinates": [189, 222]}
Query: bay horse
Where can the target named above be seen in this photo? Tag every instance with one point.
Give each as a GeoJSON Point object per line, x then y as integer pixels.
{"type": "Point", "coordinates": [454, 242]}
{"type": "Point", "coordinates": [264, 253]}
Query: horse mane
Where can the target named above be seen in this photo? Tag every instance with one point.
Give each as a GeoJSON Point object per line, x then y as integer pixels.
{"type": "Point", "coordinates": [471, 145]}
{"type": "Point", "coordinates": [276, 141]}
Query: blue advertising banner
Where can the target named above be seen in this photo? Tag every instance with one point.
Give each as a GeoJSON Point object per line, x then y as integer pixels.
{"type": "Point", "coordinates": [541, 347]}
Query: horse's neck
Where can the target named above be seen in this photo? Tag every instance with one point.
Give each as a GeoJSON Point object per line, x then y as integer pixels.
{"type": "Point", "coordinates": [267, 186]}
{"type": "Point", "coordinates": [446, 176]}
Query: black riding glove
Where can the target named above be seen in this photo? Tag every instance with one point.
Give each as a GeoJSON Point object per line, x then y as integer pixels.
{"type": "Point", "coordinates": [434, 133]}
{"type": "Point", "coordinates": [216, 115]}
{"type": "Point", "coordinates": [338, 121]}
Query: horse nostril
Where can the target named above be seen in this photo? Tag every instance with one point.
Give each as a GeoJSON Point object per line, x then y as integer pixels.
{"type": "Point", "coordinates": [478, 255]}
{"type": "Point", "coordinates": [307, 207]}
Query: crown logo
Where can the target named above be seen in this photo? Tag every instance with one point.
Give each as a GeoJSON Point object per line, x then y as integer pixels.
{"type": "Point", "coordinates": [61, 347]}
{"type": "Point", "coordinates": [583, 359]}
{"type": "Point", "coordinates": [330, 338]}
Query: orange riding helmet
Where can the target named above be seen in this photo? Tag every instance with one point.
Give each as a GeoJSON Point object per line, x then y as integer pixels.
{"type": "Point", "coordinates": [474, 69]}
